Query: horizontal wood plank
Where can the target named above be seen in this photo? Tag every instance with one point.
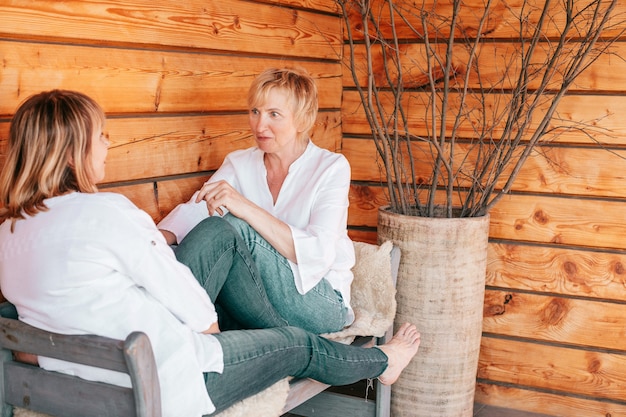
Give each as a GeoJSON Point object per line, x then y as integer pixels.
{"type": "Point", "coordinates": [556, 270]}
{"type": "Point", "coordinates": [503, 19]}
{"type": "Point", "coordinates": [565, 221]}
{"type": "Point", "coordinates": [170, 146]}
{"type": "Point", "coordinates": [592, 223]}
{"type": "Point", "coordinates": [235, 25]}
{"type": "Point", "coordinates": [360, 235]}
{"type": "Point", "coordinates": [548, 318]}
{"type": "Point", "coordinates": [498, 69]}
{"type": "Point", "coordinates": [173, 77]}
{"type": "Point", "coordinates": [549, 403]}
{"type": "Point", "coordinates": [568, 170]}
{"type": "Point", "coordinates": [314, 5]}
{"type": "Point", "coordinates": [577, 371]}
{"type": "Point", "coordinates": [334, 404]}
{"type": "Point", "coordinates": [146, 81]}
{"type": "Point", "coordinates": [585, 119]}
{"type": "Point", "coordinates": [150, 147]}
{"type": "Point", "coordinates": [99, 351]}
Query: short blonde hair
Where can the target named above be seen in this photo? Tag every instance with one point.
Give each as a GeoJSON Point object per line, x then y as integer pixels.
{"type": "Point", "coordinates": [301, 91]}
{"type": "Point", "coordinates": [49, 151]}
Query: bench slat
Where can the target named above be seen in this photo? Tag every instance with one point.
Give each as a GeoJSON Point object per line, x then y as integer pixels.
{"type": "Point", "coordinates": [64, 395]}
{"type": "Point", "coordinates": [90, 350]}
{"type": "Point", "coordinates": [55, 393]}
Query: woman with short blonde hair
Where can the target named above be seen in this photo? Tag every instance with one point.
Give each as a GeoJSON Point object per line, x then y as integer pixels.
{"type": "Point", "coordinates": [288, 198]}
{"type": "Point", "coordinates": [301, 91]}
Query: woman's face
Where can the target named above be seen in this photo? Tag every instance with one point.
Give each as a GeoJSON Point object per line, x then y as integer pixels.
{"type": "Point", "coordinates": [273, 124]}
{"type": "Point", "coordinates": [99, 149]}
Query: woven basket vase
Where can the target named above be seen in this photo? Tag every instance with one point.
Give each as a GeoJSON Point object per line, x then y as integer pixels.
{"type": "Point", "coordinates": [441, 287]}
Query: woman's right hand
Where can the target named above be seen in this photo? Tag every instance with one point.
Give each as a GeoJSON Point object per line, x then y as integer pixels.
{"type": "Point", "coordinates": [170, 237]}
{"type": "Point", "coordinates": [215, 328]}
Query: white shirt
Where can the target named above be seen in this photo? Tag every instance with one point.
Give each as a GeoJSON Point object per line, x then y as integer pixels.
{"type": "Point", "coordinates": [96, 264]}
{"type": "Point", "coordinates": [313, 201]}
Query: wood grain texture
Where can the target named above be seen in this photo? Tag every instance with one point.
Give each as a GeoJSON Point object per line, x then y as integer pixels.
{"type": "Point", "coordinates": [596, 223]}
{"type": "Point", "coordinates": [361, 235]}
{"type": "Point", "coordinates": [551, 403]}
{"type": "Point", "coordinates": [554, 368]}
{"type": "Point", "coordinates": [503, 22]}
{"type": "Point", "coordinates": [570, 321]}
{"type": "Point", "coordinates": [145, 81]}
{"type": "Point", "coordinates": [142, 195]}
{"type": "Point", "coordinates": [583, 119]}
{"type": "Point", "coordinates": [316, 5]}
{"type": "Point", "coordinates": [498, 63]}
{"type": "Point", "coordinates": [176, 191]}
{"type": "Point", "coordinates": [145, 148]}
{"type": "Point", "coordinates": [46, 391]}
{"type": "Point", "coordinates": [157, 147]}
{"type": "Point", "coordinates": [553, 169]}
{"type": "Point", "coordinates": [234, 25]}
{"type": "Point", "coordinates": [560, 220]}
{"type": "Point", "coordinates": [556, 270]}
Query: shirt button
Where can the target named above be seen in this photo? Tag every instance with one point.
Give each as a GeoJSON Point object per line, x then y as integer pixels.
{"type": "Point", "coordinates": [153, 243]}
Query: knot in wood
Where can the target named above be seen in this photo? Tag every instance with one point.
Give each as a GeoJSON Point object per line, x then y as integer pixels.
{"type": "Point", "coordinates": [570, 268]}
{"type": "Point", "coordinates": [541, 217]}
{"type": "Point", "coordinates": [494, 310]}
{"type": "Point", "coordinates": [555, 311]}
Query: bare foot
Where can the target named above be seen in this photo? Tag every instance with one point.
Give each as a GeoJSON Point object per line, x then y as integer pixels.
{"type": "Point", "coordinates": [400, 350]}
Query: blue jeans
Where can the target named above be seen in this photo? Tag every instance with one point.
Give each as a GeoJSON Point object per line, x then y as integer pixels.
{"type": "Point", "coordinates": [256, 359]}
{"type": "Point", "coordinates": [221, 262]}
{"type": "Point", "coordinates": [320, 310]}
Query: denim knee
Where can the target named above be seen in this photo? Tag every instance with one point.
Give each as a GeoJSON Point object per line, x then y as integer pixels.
{"type": "Point", "coordinates": [209, 226]}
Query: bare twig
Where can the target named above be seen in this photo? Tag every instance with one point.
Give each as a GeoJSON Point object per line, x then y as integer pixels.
{"type": "Point", "coordinates": [501, 115]}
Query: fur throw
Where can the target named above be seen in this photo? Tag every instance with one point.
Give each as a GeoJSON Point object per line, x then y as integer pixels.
{"type": "Point", "coordinates": [373, 293]}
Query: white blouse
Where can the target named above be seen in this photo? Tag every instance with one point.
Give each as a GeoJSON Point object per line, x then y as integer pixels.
{"type": "Point", "coordinates": [95, 263]}
{"type": "Point", "coordinates": [313, 201]}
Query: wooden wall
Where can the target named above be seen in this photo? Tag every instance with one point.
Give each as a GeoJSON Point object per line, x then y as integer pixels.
{"type": "Point", "coordinates": [173, 75]}
{"type": "Point", "coordinates": [555, 307]}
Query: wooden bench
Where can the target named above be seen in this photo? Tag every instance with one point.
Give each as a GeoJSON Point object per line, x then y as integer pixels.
{"type": "Point", "coordinates": [33, 388]}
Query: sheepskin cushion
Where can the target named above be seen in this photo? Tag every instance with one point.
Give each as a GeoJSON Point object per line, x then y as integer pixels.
{"type": "Point", "coordinates": [373, 293]}
{"type": "Point", "coordinates": [374, 303]}
{"type": "Point", "coordinates": [269, 402]}
{"type": "Point", "coordinates": [20, 412]}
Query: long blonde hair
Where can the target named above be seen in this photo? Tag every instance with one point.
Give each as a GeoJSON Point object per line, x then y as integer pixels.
{"type": "Point", "coordinates": [49, 151]}
{"type": "Point", "coordinates": [301, 92]}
